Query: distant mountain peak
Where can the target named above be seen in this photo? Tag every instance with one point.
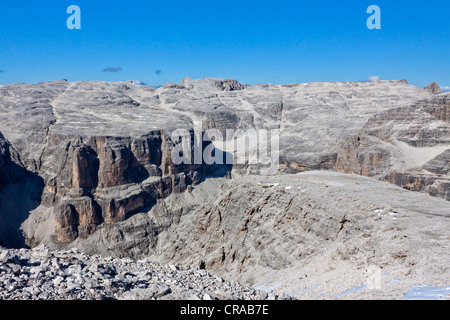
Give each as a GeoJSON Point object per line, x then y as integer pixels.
{"type": "Point", "coordinates": [433, 88]}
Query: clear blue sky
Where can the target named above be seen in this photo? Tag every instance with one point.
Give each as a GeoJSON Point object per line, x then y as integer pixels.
{"type": "Point", "coordinates": [252, 41]}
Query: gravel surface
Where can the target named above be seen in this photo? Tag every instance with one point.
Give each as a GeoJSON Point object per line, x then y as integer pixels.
{"type": "Point", "coordinates": [41, 274]}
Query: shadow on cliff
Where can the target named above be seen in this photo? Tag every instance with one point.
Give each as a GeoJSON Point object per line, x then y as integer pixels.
{"type": "Point", "coordinates": [17, 199]}
{"type": "Point", "coordinates": [218, 170]}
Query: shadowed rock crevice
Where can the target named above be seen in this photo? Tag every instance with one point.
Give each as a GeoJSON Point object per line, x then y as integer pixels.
{"type": "Point", "coordinates": [20, 193]}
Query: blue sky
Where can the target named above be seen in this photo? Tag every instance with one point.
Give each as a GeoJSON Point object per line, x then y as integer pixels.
{"type": "Point", "coordinates": [252, 41]}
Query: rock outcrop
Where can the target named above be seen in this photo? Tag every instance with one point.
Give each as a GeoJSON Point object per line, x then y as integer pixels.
{"type": "Point", "coordinates": [19, 194]}
{"type": "Point", "coordinates": [289, 233]}
{"type": "Point", "coordinates": [433, 88]}
{"type": "Point", "coordinates": [101, 154]}
{"type": "Point", "coordinates": [293, 231]}
{"type": "Point", "coordinates": [11, 170]}
{"type": "Point", "coordinates": [407, 146]}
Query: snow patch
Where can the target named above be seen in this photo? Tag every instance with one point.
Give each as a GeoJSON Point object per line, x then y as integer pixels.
{"type": "Point", "coordinates": [352, 290]}
{"type": "Point", "coordinates": [424, 292]}
{"type": "Point", "coordinates": [267, 288]}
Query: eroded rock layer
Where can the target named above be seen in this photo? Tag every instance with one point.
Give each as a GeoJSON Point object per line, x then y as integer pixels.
{"type": "Point", "coordinates": [90, 164]}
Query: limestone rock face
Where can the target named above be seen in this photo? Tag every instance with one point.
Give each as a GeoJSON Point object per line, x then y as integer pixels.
{"type": "Point", "coordinates": [11, 170]}
{"type": "Point", "coordinates": [433, 88]}
{"type": "Point", "coordinates": [101, 155]}
{"type": "Point", "coordinates": [407, 146]}
{"type": "Point", "coordinates": [20, 192]}
{"type": "Point", "coordinates": [90, 165]}
{"type": "Point", "coordinates": [291, 232]}
{"type": "Point", "coordinates": [104, 150]}
{"type": "Point", "coordinates": [438, 107]}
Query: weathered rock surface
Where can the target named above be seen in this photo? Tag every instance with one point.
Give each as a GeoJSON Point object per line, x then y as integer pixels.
{"type": "Point", "coordinates": [11, 170]}
{"type": "Point", "coordinates": [102, 155]}
{"type": "Point", "coordinates": [407, 146]}
{"type": "Point", "coordinates": [433, 88]}
{"type": "Point", "coordinates": [20, 192]}
{"type": "Point", "coordinates": [292, 232]}
{"type": "Point", "coordinates": [289, 233]}
{"type": "Point", "coordinates": [89, 165]}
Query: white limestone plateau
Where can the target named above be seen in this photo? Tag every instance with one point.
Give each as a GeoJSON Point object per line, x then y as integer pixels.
{"type": "Point", "coordinates": [361, 195]}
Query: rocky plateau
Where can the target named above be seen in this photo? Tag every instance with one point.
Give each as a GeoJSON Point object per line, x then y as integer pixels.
{"type": "Point", "coordinates": [88, 181]}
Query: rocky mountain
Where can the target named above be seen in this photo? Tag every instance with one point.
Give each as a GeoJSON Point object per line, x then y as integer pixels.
{"type": "Point", "coordinates": [90, 165]}
{"type": "Point", "coordinates": [433, 88]}
{"type": "Point", "coordinates": [407, 146]}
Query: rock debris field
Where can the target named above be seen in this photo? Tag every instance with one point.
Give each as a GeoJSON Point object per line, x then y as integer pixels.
{"type": "Point", "coordinates": [41, 274]}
